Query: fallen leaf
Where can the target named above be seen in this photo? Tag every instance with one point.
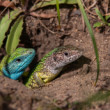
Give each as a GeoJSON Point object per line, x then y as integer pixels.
{"type": "Point", "coordinates": [7, 4]}
{"type": "Point", "coordinates": [42, 15]}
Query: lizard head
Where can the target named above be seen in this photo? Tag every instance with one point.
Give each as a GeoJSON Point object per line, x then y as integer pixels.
{"type": "Point", "coordinates": [63, 56]}
{"type": "Point", "coordinates": [16, 63]}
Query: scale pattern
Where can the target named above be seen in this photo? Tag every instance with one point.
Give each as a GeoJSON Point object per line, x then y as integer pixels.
{"type": "Point", "coordinates": [51, 65]}
{"type": "Point", "coordinates": [14, 65]}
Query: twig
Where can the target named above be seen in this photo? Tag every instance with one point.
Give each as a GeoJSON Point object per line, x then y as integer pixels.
{"type": "Point", "coordinates": [88, 9]}
{"type": "Point", "coordinates": [95, 2]}
{"type": "Point", "coordinates": [45, 26]}
{"type": "Point", "coordinates": [83, 23]}
{"type": "Point", "coordinates": [6, 8]}
{"type": "Point", "coordinates": [107, 14]}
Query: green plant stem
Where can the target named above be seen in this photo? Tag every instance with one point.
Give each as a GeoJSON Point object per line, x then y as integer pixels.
{"type": "Point", "coordinates": [58, 11]}
{"type": "Point", "coordinates": [92, 37]}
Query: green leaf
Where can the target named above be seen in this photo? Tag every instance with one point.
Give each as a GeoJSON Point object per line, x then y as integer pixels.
{"type": "Point", "coordinates": [58, 11]}
{"type": "Point", "coordinates": [100, 15]}
{"type": "Point", "coordinates": [14, 35]}
{"type": "Point", "coordinates": [52, 2]}
{"type": "Point", "coordinates": [92, 37]}
{"type": "Point", "coordinates": [107, 17]}
{"type": "Point", "coordinates": [108, 24]}
{"type": "Point", "coordinates": [98, 24]}
{"type": "Point", "coordinates": [5, 23]}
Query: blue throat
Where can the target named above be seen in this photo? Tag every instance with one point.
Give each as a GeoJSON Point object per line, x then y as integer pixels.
{"type": "Point", "coordinates": [13, 76]}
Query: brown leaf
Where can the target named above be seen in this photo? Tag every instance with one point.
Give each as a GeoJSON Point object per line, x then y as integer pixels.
{"type": "Point", "coordinates": [42, 15]}
{"type": "Point", "coordinates": [7, 4]}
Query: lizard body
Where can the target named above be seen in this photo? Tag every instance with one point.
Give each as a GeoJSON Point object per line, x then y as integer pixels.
{"type": "Point", "coordinates": [51, 65]}
{"type": "Point", "coordinates": [14, 65]}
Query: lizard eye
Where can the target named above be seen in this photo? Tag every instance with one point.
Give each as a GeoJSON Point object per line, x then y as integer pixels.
{"type": "Point", "coordinates": [18, 60]}
{"type": "Point", "coordinates": [30, 52]}
{"type": "Point", "coordinates": [66, 54]}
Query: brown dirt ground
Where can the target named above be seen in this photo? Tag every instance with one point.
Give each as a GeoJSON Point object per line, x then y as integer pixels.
{"type": "Point", "coordinates": [75, 84]}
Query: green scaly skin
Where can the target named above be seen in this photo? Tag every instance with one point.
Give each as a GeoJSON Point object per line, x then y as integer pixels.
{"type": "Point", "coordinates": [14, 65]}
{"type": "Point", "coordinates": [51, 65]}
{"type": "Point", "coordinates": [2, 64]}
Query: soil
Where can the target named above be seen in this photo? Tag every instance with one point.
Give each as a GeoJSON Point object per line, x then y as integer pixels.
{"type": "Point", "coordinates": [73, 88]}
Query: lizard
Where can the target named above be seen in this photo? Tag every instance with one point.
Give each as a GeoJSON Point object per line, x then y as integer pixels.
{"type": "Point", "coordinates": [14, 65]}
{"type": "Point", "coordinates": [51, 65]}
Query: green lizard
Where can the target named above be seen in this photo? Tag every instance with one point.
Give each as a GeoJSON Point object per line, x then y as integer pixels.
{"type": "Point", "coordinates": [14, 65]}
{"type": "Point", "coordinates": [51, 65]}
